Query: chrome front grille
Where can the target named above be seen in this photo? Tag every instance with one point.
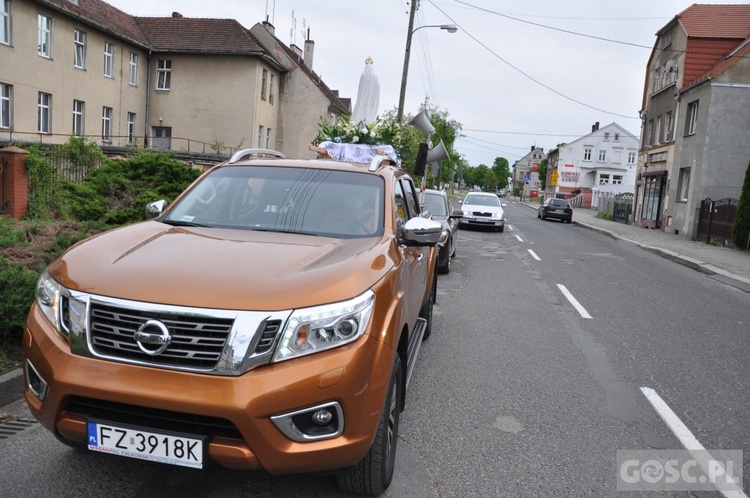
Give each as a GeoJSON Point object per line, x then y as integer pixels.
{"type": "Point", "coordinates": [196, 341]}
{"type": "Point", "coordinates": [205, 340]}
{"type": "Point", "coordinates": [481, 213]}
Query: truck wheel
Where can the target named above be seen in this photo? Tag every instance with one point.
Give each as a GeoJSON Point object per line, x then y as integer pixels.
{"type": "Point", "coordinates": [373, 475]}
{"type": "Point", "coordinates": [426, 311]}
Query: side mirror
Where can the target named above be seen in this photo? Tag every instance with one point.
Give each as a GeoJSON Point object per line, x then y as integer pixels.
{"type": "Point", "coordinates": [421, 232]}
{"type": "Point", "coordinates": [456, 214]}
{"type": "Point", "coordinates": [504, 204]}
{"type": "Point", "coordinates": [154, 209]}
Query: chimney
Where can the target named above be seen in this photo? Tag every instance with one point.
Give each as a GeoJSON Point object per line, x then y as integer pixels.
{"type": "Point", "coordinates": [595, 127]}
{"type": "Point", "coordinates": [309, 50]}
{"type": "Point", "coordinates": [177, 15]}
{"type": "Point", "coordinates": [269, 27]}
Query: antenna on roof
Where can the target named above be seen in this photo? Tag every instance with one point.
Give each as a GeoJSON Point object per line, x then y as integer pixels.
{"type": "Point", "coordinates": [293, 30]}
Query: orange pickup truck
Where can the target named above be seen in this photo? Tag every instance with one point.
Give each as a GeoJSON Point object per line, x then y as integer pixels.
{"type": "Point", "coordinates": [269, 318]}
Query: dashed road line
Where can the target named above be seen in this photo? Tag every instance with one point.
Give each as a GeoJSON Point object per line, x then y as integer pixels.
{"type": "Point", "coordinates": [686, 437]}
{"type": "Point", "coordinates": [581, 310]}
{"type": "Point", "coordinates": [519, 238]}
{"type": "Point", "coordinates": [533, 255]}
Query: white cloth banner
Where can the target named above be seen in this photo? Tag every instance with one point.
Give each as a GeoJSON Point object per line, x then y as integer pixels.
{"type": "Point", "coordinates": [358, 153]}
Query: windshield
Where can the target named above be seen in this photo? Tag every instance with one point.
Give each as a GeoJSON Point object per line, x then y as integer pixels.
{"type": "Point", "coordinates": [296, 200]}
{"type": "Point", "coordinates": [435, 204]}
{"type": "Point", "coordinates": [482, 200]}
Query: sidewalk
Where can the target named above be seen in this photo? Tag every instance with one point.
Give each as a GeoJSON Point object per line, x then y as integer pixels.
{"type": "Point", "coordinates": [730, 266]}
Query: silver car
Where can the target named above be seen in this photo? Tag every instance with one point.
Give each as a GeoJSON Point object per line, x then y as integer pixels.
{"type": "Point", "coordinates": [482, 209]}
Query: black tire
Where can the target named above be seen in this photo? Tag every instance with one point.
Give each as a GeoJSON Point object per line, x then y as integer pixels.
{"type": "Point", "coordinates": [446, 268]}
{"type": "Point", "coordinates": [373, 475]}
{"type": "Point", "coordinates": [538, 215]}
{"type": "Point", "coordinates": [426, 311]}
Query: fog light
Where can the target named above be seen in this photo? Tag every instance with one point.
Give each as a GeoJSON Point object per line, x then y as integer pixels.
{"type": "Point", "coordinates": [35, 382]}
{"type": "Point", "coordinates": [322, 417]}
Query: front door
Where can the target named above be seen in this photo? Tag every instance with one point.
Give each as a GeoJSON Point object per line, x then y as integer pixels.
{"type": "Point", "coordinates": [162, 137]}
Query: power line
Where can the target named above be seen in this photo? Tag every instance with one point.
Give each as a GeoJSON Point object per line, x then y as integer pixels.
{"type": "Point", "coordinates": [527, 75]}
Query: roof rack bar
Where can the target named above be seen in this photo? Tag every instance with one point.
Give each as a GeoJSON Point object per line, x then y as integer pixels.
{"type": "Point", "coordinates": [377, 160]}
{"type": "Point", "coordinates": [244, 153]}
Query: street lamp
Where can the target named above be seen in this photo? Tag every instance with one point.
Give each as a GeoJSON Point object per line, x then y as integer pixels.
{"type": "Point", "coordinates": [450, 28]}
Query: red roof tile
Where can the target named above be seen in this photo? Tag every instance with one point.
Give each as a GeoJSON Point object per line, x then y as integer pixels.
{"type": "Point", "coordinates": [103, 16]}
{"type": "Point", "coordinates": [183, 34]}
{"type": "Point", "coordinates": [716, 21]}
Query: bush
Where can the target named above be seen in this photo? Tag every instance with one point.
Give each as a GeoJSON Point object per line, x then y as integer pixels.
{"type": "Point", "coordinates": [17, 285]}
{"type": "Point", "coordinates": [117, 193]}
{"type": "Point", "coordinates": [741, 227]}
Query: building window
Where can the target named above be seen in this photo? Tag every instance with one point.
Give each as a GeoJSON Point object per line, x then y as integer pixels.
{"type": "Point", "coordinates": [603, 179]}
{"type": "Point", "coordinates": [658, 130]}
{"type": "Point", "coordinates": [5, 105]}
{"type": "Point", "coordinates": [684, 184]}
{"type": "Point", "coordinates": [657, 76]}
{"type": "Point", "coordinates": [631, 157]}
{"type": "Point", "coordinates": [45, 36]}
{"type": "Point", "coordinates": [260, 136]}
{"type": "Point", "coordinates": [78, 113]}
{"type": "Point", "coordinates": [650, 140]}
{"type": "Point", "coordinates": [131, 127]}
{"type": "Point", "coordinates": [44, 106]}
{"type": "Point", "coordinates": [587, 154]}
{"type": "Point", "coordinates": [617, 137]}
{"type": "Point", "coordinates": [109, 60]}
{"type": "Point", "coordinates": [106, 124]}
{"type": "Point", "coordinates": [668, 126]}
{"type": "Point", "coordinates": [602, 155]}
{"type": "Point", "coordinates": [133, 71]}
{"type": "Point", "coordinates": [263, 85]}
{"type": "Point", "coordinates": [163, 74]}
{"type": "Point", "coordinates": [270, 89]}
{"type": "Point", "coordinates": [5, 22]}
{"type": "Point", "coordinates": [692, 121]}
{"type": "Point", "coordinates": [79, 55]}
{"type": "Point", "coordinates": [606, 135]}
{"type": "Point", "coordinates": [616, 179]}
{"type": "Point", "coordinates": [268, 138]}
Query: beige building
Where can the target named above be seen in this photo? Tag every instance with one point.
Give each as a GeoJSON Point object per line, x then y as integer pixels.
{"type": "Point", "coordinates": [83, 67]}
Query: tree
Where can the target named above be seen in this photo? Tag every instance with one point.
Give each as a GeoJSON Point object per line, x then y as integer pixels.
{"type": "Point", "coordinates": [543, 174]}
{"type": "Point", "coordinates": [741, 226]}
{"type": "Point", "coordinates": [501, 168]}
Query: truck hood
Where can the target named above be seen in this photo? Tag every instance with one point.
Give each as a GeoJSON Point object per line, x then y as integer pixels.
{"type": "Point", "coordinates": [222, 268]}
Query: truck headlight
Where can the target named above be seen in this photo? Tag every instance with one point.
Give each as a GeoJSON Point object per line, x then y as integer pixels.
{"type": "Point", "coordinates": [49, 299]}
{"type": "Point", "coordinates": [311, 330]}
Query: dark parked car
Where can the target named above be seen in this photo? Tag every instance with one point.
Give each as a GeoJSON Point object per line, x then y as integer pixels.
{"type": "Point", "coordinates": [559, 209]}
{"type": "Point", "coordinates": [437, 203]}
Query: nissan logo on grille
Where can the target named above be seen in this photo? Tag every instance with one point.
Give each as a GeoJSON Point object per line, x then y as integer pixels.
{"type": "Point", "coordinates": [153, 337]}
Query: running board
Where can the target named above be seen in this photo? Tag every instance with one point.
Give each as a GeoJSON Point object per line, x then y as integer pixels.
{"type": "Point", "coordinates": [415, 342]}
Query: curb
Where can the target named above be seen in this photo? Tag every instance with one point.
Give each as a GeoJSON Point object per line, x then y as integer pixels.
{"type": "Point", "coordinates": [11, 387]}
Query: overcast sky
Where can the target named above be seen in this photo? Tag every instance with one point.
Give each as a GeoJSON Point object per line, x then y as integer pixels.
{"type": "Point", "coordinates": [515, 75]}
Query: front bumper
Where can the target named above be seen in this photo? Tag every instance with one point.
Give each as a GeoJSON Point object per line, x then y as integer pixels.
{"type": "Point", "coordinates": [481, 222]}
{"type": "Point", "coordinates": [234, 413]}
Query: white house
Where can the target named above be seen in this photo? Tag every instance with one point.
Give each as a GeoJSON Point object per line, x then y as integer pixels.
{"type": "Point", "coordinates": [603, 161]}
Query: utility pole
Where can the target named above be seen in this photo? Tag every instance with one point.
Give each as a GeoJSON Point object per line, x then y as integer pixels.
{"type": "Point", "coordinates": [402, 95]}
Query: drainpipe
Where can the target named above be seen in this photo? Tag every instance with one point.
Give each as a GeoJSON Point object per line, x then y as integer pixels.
{"type": "Point", "coordinates": [148, 99]}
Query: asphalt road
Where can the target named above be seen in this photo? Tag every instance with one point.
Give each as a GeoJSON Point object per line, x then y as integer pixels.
{"type": "Point", "coordinates": [544, 336]}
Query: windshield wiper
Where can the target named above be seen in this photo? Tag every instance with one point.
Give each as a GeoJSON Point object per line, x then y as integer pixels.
{"type": "Point", "coordinates": [180, 223]}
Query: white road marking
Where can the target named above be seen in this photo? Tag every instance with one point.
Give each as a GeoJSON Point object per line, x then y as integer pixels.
{"type": "Point", "coordinates": [519, 238]}
{"type": "Point", "coordinates": [581, 310]}
{"type": "Point", "coordinates": [683, 434]}
{"type": "Point", "coordinates": [510, 227]}
{"type": "Point", "coordinates": [533, 255]}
